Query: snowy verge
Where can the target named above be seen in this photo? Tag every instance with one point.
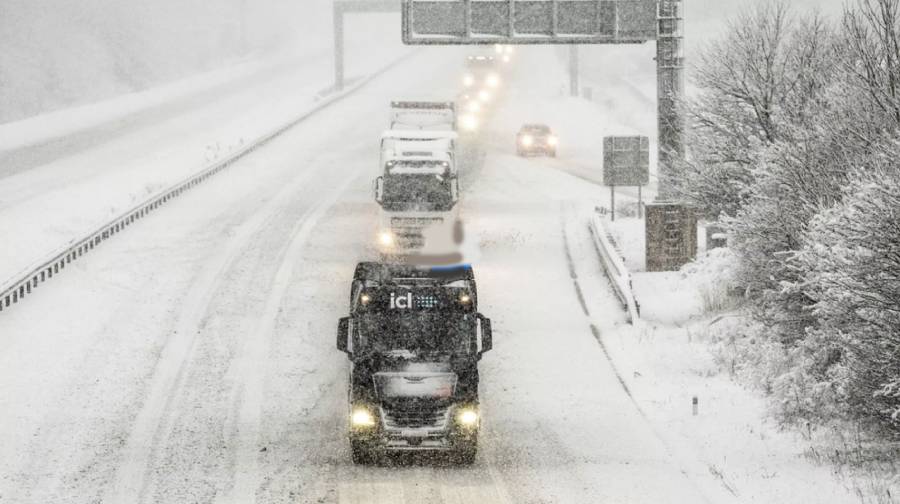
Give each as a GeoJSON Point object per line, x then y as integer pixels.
{"type": "Point", "coordinates": [688, 349]}
{"type": "Point", "coordinates": [52, 125]}
{"type": "Point", "coordinates": [18, 287]}
{"type": "Point", "coordinates": [615, 268]}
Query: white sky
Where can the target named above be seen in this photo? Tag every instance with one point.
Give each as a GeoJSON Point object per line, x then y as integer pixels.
{"type": "Point", "coordinates": [705, 18]}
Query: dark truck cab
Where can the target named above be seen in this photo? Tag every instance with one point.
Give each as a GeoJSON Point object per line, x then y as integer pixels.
{"type": "Point", "coordinates": [414, 338]}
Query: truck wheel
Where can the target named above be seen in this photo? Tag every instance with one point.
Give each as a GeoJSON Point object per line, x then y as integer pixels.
{"type": "Point", "coordinates": [360, 453]}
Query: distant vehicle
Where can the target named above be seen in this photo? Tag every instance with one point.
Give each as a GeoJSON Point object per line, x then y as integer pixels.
{"type": "Point", "coordinates": [536, 139]}
{"type": "Point", "coordinates": [423, 115]}
{"type": "Point", "coordinates": [414, 338]}
{"type": "Point", "coordinates": [481, 72]}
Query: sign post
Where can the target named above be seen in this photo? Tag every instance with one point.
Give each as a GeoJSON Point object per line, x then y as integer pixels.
{"type": "Point", "coordinates": [626, 162]}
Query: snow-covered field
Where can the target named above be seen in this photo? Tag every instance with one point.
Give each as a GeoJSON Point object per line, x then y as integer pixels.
{"type": "Point", "coordinates": [191, 358]}
{"type": "Point", "coordinates": [66, 173]}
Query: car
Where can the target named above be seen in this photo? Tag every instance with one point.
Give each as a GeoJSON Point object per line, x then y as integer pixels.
{"type": "Point", "coordinates": [536, 139]}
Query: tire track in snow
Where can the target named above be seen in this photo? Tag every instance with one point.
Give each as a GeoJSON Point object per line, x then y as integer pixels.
{"type": "Point", "coordinates": [251, 370]}
{"type": "Point", "coordinates": [153, 422]}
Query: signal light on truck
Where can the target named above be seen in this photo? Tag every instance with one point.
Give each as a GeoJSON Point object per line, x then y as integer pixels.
{"type": "Point", "coordinates": [365, 299]}
{"type": "Point", "coordinates": [465, 299]}
{"type": "Point", "coordinates": [386, 238]}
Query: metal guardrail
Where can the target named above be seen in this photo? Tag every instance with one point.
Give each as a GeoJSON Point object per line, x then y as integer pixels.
{"type": "Point", "coordinates": [615, 268]}
{"type": "Point", "coordinates": [20, 287]}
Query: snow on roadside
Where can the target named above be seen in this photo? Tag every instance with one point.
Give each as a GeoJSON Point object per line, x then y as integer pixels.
{"type": "Point", "coordinates": [44, 208]}
{"type": "Point", "coordinates": [668, 362]}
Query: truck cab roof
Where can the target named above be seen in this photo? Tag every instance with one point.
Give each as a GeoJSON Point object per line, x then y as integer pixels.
{"type": "Point", "coordinates": [450, 288]}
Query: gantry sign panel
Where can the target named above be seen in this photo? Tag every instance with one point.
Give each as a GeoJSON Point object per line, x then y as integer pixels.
{"type": "Point", "coordinates": [529, 21]}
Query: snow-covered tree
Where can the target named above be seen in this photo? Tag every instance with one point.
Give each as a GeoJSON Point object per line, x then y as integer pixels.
{"type": "Point", "coordinates": [852, 255]}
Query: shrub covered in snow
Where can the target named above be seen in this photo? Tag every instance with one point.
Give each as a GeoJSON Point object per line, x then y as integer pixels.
{"type": "Point", "coordinates": [795, 124]}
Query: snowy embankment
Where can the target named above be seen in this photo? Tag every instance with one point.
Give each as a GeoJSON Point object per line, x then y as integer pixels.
{"type": "Point", "coordinates": [93, 180]}
{"type": "Point", "coordinates": [678, 356]}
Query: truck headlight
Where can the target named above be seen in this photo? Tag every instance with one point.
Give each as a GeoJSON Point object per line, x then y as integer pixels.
{"type": "Point", "coordinates": [467, 417]}
{"type": "Point", "coordinates": [526, 141]}
{"type": "Point", "coordinates": [552, 141]}
{"type": "Point", "coordinates": [386, 238]}
{"type": "Point", "coordinates": [362, 417]}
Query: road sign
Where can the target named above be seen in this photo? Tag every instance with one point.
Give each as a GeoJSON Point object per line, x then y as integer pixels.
{"type": "Point", "coordinates": [626, 161]}
{"type": "Point", "coordinates": [529, 21]}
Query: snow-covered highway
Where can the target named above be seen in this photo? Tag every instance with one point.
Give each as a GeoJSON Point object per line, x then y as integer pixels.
{"type": "Point", "coordinates": [192, 358]}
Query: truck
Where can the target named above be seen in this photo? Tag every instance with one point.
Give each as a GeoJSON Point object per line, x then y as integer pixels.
{"type": "Point", "coordinates": [482, 72]}
{"type": "Point", "coordinates": [414, 338]}
{"type": "Point", "coordinates": [418, 196]}
{"type": "Point", "coordinates": [423, 115]}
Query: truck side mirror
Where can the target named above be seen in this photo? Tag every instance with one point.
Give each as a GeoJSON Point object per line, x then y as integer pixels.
{"type": "Point", "coordinates": [343, 334]}
{"type": "Point", "coordinates": [487, 335]}
{"type": "Point", "coordinates": [454, 189]}
{"type": "Point", "coordinates": [378, 189]}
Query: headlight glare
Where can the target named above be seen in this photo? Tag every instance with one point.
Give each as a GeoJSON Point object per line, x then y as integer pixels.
{"type": "Point", "coordinates": [527, 140]}
{"type": "Point", "coordinates": [468, 417]}
{"type": "Point", "coordinates": [361, 417]}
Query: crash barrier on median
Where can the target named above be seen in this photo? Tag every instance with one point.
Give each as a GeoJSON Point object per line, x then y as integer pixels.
{"type": "Point", "coordinates": [615, 268]}
{"type": "Point", "coordinates": [22, 285]}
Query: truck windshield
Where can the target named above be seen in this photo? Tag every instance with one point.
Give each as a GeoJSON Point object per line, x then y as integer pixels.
{"type": "Point", "coordinates": [427, 332]}
{"type": "Point", "coordinates": [425, 193]}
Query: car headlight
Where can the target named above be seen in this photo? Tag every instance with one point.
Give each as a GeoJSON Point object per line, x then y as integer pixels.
{"type": "Point", "coordinates": [552, 141]}
{"type": "Point", "coordinates": [469, 122]}
{"type": "Point", "coordinates": [468, 81]}
{"type": "Point", "coordinates": [493, 80]}
{"type": "Point", "coordinates": [527, 140]}
{"type": "Point", "coordinates": [362, 417]}
{"type": "Point", "coordinates": [467, 417]}
{"type": "Point", "coordinates": [386, 238]}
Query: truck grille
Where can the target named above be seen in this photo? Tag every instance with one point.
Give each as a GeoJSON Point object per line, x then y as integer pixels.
{"type": "Point", "coordinates": [433, 418]}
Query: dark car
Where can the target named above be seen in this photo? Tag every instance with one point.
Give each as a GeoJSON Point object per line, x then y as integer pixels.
{"type": "Point", "coordinates": [536, 139]}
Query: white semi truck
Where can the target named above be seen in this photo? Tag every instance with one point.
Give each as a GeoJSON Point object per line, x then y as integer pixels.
{"type": "Point", "coordinates": [418, 196]}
